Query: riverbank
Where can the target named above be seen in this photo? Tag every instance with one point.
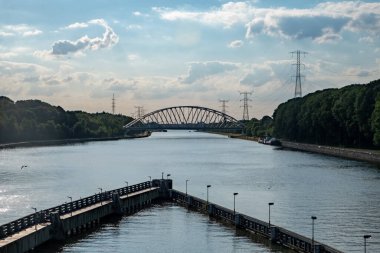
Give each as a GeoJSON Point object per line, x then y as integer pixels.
{"type": "Point", "coordinates": [66, 141]}
{"type": "Point", "coordinates": [372, 156]}
{"type": "Point", "coordinates": [366, 155]}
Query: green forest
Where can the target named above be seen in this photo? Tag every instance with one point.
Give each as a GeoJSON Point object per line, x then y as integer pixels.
{"type": "Point", "coordinates": [349, 116]}
{"type": "Point", "coordinates": [30, 120]}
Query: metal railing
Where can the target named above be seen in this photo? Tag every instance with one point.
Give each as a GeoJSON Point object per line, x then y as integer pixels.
{"type": "Point", "coordinates": [43, 216]}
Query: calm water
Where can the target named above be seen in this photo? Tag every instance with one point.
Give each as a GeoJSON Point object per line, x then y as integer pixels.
{"type": "Point", "coordinates": [343, 194]}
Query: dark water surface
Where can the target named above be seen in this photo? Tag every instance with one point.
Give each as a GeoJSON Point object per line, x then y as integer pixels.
{"type": "Point", "coordinates": [343, 194]}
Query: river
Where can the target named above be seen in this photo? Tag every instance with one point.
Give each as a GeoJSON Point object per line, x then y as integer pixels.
{"type": "Point", "coordinates": [343, 194]}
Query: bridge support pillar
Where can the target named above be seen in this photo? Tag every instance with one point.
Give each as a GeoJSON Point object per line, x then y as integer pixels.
{"type": "Point", "coordinates": [57, 230]}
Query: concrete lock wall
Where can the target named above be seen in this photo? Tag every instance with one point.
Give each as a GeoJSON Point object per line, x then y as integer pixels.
{"type": "Point", "coordinates": [74, 217]}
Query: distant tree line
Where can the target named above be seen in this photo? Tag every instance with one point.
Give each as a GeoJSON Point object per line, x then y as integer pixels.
{"type": "Point", "coordinates": [259, 128]}
{"type": "Point", "coordinates": [349, 116]}
{"type": "Point", "coordinates": [36, 120]}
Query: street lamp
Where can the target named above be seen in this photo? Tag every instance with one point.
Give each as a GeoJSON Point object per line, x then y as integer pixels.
{"type": "Point", "coordinates": [162, 175]}
{"type": "Point", "coordinates": [101, 195]}
{"type": "Point", "coordinates": [127, 187]}
{"type": "Point", "coordinates": [150, 181]}
{"type": "Point", "coordinates": [270, 204]}
{"type": "Point", "coordinates": [313, 218]}
{"type": "Point", "coordinates": [71, 205]}
{"type": "Point", "coordinates": [365, 242]}
{"type": "Point", "coordinates": [35, 217]}
{"type": "Point", "coordinates": [167, 176]}
{"type": "Point", "coordinates": [208, 186]}
{"type": "Point", "coordinates": [187, 180]}
{"type": "Point", "coordinates": [235, 193]}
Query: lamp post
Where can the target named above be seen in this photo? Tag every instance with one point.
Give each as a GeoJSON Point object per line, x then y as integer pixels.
{"type": "Point", "coordinates": [162, 175]}
{"type": "Point", "coordinates": [270, 204]}
{"type": "Point", "coordinates": [150, 181]}
{"type": "Point", "coordinates": [235, 193]}
{"type": "Point", "coordinates": [167, 176]}
{"type": "Point", "coordinates": [365, 242]}
{"type": "Point", "coordinates": [313, 218]}
{"type": "Point", "coordinates": [127, 187]}
{"type": "Point", "coordinates": [35, 217]}
{"type": "Point", "coordinates": [187, 180]}
{"type": "Point", "coordinates": [101, 195]}
{"type": "Point", "coordinates": [71, 205]}
{"type": "Point", "coordinates": [208, 186]}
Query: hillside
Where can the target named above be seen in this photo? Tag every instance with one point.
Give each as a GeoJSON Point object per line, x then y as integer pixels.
{"type": "Point", "coordinates": [30, 120]}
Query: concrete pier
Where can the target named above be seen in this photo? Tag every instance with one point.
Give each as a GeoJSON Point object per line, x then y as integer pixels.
{"type": "Point", "coordinates": [274, 233]}
{"type": "Point", "coordinates": [59, 222]}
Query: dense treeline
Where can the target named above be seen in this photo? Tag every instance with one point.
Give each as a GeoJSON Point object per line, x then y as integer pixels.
{"type": "Point", "coordinates": [349, 116]}
{"type": "Point", "coordinates": [35, 120]}
{"type": "Point", "coordinates": [259, 128]}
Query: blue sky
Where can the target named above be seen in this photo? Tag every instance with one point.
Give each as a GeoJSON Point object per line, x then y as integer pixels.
{"type": "Point", "coordinates": [163, 53]}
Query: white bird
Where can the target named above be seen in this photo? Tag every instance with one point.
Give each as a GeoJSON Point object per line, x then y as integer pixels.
{"type": "Point", "coordinates": [24, 166]}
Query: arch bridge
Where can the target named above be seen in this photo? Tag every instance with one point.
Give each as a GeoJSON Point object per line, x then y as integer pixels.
{"type": "Point", "coordinates": [185, 117]}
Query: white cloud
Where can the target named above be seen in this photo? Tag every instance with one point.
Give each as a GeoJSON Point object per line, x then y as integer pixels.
{"type": "Point", "coordinates": [329, 36]}
{"type": "Point", "coordinates": [323, 23]}
{"type": "Point", "coordinates": [76, 26]}
{"type": "Point", "coordinates": [7, 55]}
{"type": "Point", "coordinates": [236, 44]}
{"type": "Point", "coordinates": [201, 70]}
{"type": "Point", "coordinates": [134, 27]}
{"type": "Point", "coordinates": [137, 13]}
{"type": "Point", "coordinates": [133, 57]}
{"type": "Point", "coordinates": [359, 72]}
{"type": "Point", "coordinates": [64, 47]}
{"type": "Point", "coordinates": [6, 34]}
{"type": "Point", "coordinates": [20, 30]}
{"type": "Point", "coordinates": [367, 39]}
{"type": "Point", "coordinates": [32, 33]}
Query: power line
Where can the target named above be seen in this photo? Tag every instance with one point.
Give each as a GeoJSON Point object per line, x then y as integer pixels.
{"type": "Point", "coordinates": [298, 76]}
{"type": "Point", "coordinates": [245, 104]}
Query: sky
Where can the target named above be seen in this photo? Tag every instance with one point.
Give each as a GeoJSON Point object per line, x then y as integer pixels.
{"type": "Point", "coordinates": [157, 54]}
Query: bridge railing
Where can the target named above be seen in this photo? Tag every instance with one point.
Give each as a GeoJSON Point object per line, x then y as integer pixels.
{"type": "Point", "coordinates": [43, 216]}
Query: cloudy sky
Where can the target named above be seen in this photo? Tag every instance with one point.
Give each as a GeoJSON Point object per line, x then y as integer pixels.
{"type": "Point", "coordinates": [163, 53]}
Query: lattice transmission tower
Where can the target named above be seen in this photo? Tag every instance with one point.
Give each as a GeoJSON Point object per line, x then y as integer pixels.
{"type": "Point", "coordinates": [298, 76]}
{"type": "Point", "coordinates": [223, 101]}
{"type": "Point", "coordinates": [245, 104]}
{"type": "Point", "coordinates": [113, 103]}
{"type": "Point", "coordinates": [139, 111]}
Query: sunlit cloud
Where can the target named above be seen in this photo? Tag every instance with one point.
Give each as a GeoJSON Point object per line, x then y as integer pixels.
{"type": "Point", "coordinates": [19, 30]}
{"type": "Point", "coordinates": [323, 23]}
{"type": "Point", "coordinates": [236, 44]}
{"type": "Point", "coordinates": [65, 47]}
{"type": "Point", "coordinates": [201, 70]}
